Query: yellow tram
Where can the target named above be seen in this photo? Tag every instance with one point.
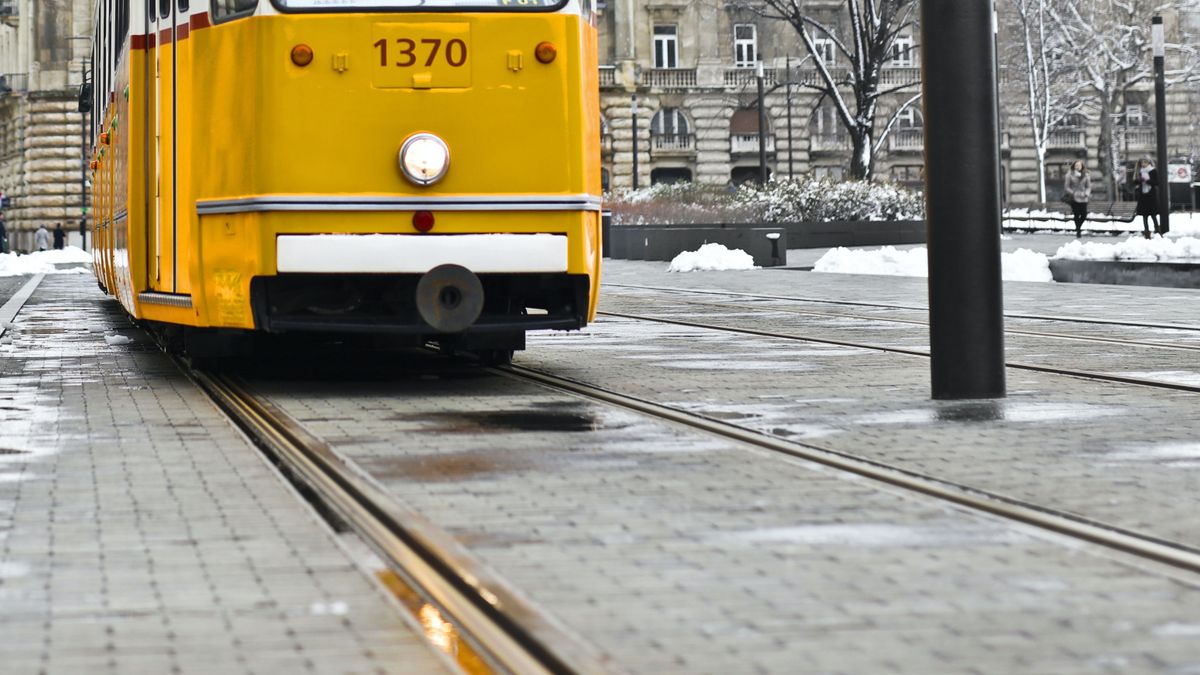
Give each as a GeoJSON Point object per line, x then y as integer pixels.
{"type": "Point", "coordinates": [427, 169]}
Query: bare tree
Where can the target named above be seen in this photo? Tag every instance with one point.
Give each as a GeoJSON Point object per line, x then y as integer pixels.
{"type": "Point", "coordinates": [1111, 45]}
{"type": "Point", "coordinates": [1049, 78]}
{"type": "Point", "coordinates": [867, 43]}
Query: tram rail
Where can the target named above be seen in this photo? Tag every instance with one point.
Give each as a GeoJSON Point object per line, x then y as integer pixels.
{"type": "Point", "coordinates": [914, 308]}
{"type": "Point", "coordinates": [1131, 542]}
{"type": "Point", "coordinates": [508, 635]}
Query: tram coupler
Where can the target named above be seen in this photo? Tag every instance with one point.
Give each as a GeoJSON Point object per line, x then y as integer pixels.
{"type": "Point", "coordinates": [449, 298]}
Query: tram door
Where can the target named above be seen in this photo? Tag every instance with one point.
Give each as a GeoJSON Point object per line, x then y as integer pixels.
{"type": "Point", "coordinates": [163, 265]}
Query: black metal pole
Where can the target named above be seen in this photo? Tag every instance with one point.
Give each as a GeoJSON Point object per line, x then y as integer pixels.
{"type": "Point", "coordinates": [962, 199]}
{"type": "Point", "coordinates": [762, 127]}
{"type": "Point", "coordinates": [83, 163]}
{"type": "Point", "coordinates": [1160, 122]}
{"type": "Point", "coordinates": [635, 142]}
{"type": "Point", "coordinates": [791, 171]}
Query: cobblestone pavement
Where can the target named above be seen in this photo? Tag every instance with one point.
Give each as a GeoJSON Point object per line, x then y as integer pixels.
{"type": "Point", "coordinates": [674, 552]}
{"type": "Point", "coordinates": [140, 533]}
{"type": "Point", "coordinates": [1118, 453]}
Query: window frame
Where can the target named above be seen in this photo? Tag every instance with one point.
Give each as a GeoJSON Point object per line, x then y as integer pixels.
{"type": "Point", "coordinates": [665, 41]}
{"type": "Point", "coordinates": [903, 52]}
{"type": "Point", "coordinates": [739, 43]}
{"type": "Point", "coordinates": [359, 9]}
{"type": "Point", "coordinates": [220, 15]}
{"type": "Point", "coordinates": [826, 51]}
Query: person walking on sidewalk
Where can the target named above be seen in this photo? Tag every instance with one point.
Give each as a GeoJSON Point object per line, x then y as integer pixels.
{"type": "Point", "coordinates": [41, 238]}
{"type": "Point", "coordinates": [3, 237]}
{"type": "Point", "coordinates": [1146, 180]}
{"type": "Point", "coordinates": [1079, 193]}
{"type": "Point", "coordinates": [60, 237]}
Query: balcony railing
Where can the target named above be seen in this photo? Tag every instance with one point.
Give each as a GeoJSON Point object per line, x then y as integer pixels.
{"type": "Point", "coordinates": [1065, 139]}
{"type": "Point", "coordinates": [828, 143]}
{"type": "Point", "coordinates": [672, 142]}
{"type": "Point", "coordinates": [670, 78]}
{"type": "Point", "coordinates": [608, 76]}
{"type": "Point", "coordinates": [14, 82]}
{"type": "Point", "coordinates": [748, 144]}
{"type": "Point", "coordinates": [1140, 137]}
{"type": "Point", "coordinates": [906, 140]}
{"type": "Point", "coordinates": [898, 76]}
{"type": "Point", "coordinates": [744, 77]}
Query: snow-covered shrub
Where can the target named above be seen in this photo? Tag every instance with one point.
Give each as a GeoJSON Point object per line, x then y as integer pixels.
{"type": "Point", "coordinates": [820, 200]}
{"type": "Point", "coordinates": [779, 201]}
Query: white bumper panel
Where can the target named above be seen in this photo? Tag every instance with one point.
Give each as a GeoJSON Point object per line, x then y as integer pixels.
{"type": "Point", "coordinates": [419, 253]}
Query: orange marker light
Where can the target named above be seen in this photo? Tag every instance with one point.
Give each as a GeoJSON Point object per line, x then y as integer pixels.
{"type": "Point", "coordinates": [104, 138]}
{"type": "Point", "coordinates": [302, 55]}
{"type": "Point", "coordinates": [95, 165]}
{"type": "Point", "coordinates": [545, 52]}
{"type": "Point", "coordinates": [423, 221]}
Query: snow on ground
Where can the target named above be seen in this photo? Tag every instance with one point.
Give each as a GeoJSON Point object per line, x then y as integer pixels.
{"type": "Point", "coordinates": [712, 258]}
{"type": "Point", "coordinates": [1021, 265]}
{"type": "Point", "coordinates": [1135, 248]}
{"type": "Point", "coordinates": [44, 262]}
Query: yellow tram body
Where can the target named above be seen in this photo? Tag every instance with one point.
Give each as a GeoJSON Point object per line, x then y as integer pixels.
{"type": "Point", "coordinates": [222, 156]}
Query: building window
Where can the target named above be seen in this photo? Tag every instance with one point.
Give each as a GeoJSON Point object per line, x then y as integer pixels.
{"type": "Point", "coordinates": [909, 119]}
{"type": "Point", "coordinates": [669, 130]}
{"type": "Point", "coordinates": [745, 45]}
{"type": "Point", "coordinates": [825, 122]}
{"type": "Point", "coordinates": [826, 51]}
{"type": "Point", "coordinates": [666, 46]}
{"type": "Point", "coordinates": [1136, 116]}
{"type": "Point", "coordinates": [908, 174]}
{"type": "Point", "coordinates": [903, 52]}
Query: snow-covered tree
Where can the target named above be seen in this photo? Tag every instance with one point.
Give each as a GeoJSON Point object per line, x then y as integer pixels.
{"type": "Point", "coordinates": [1039, 58]}
{"type": "Point", "coordinates": [1110, 42]}
{"type": "Point", "coordinates": [863, 33]}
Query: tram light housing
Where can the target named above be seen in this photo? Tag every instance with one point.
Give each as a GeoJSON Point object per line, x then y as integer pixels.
{"type": "Point", "coordinates": [424, 159]}
{"type": "Point", "coordinates": [545, 52]}
{"type": "Point", "coordinates": [302, 55]}
{"type": "Point", "coordinates": [423, 221]}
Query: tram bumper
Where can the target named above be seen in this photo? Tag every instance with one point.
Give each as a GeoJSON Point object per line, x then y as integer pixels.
{"type": "Point", "coordinates": [422, 285]}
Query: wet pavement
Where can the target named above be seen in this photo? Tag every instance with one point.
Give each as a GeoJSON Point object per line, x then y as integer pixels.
{"type": "Point", "coordinates": [141, 532]}
{"type": "Point", "coordinates": [662, 548]}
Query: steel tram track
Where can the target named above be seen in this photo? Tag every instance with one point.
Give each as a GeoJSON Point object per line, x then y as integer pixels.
{"type": "Point", "coordinates": [497, 623]}
{"type": "Point", "coordinates": [915, 322]}
{"type": "Point", "coordinates": [913, 308]}
{"type": "Point", "coordinates": [1016, 365]}
{"type": "Point", "coordinates": [1064, 523]}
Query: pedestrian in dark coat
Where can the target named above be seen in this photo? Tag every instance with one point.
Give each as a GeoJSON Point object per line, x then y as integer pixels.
{"type": "Point", "coordinates": [3, 238]}
{"type": "Point", "coordinates": [1145, 180]}
{"type": "Point", "coordinates": [60, 237]}
{"type": "Point", "coordinates": [1078, 193]}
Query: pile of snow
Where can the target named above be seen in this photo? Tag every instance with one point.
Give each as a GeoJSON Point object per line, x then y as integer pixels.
{"type": "Point", "coordinates": [1182, 224]}
{"type": "Point", "coordinates": [43, 262]}
{"type": "Point", "coordinates": [1134, 248]}
{"type": "Point", "coordinates": [1022, 265]}
{"type": "Point", "coordinates": [712, 258]}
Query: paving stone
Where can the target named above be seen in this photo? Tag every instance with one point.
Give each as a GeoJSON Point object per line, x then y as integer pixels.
{"type": "Point", "coordinates": [675, 552]}
{"type": "Point", "coordinates": [142, 534]}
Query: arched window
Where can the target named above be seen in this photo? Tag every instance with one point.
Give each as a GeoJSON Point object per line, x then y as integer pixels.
{"type": "Point", "coordinates": [669, 130]}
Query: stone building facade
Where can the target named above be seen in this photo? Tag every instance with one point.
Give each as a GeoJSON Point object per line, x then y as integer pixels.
{"type": "Point", "coordinates": [690, 65]}
{"type": "Point", "coordinates": [44, 47]}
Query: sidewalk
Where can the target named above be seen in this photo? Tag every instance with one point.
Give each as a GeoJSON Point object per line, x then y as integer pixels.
{"type": "Point", "coordinates": [141, 533]}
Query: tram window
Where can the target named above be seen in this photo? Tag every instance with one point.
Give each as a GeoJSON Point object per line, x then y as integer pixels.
{"type": "Point", "coordinates": [164, 8]}
{"type": "Point", "coordinates": [183, 6]}
{"type": "Point", "coordinates": [122, 21]}
{"type": "Point", "coordinates": [226, 9]}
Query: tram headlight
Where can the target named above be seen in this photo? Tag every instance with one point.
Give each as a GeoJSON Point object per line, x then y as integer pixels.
{"type": "Point", "coordinates": [424, 159]}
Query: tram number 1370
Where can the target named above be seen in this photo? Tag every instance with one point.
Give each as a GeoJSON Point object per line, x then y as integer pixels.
{"type": "Point", "coordinates": [454, 52]}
